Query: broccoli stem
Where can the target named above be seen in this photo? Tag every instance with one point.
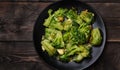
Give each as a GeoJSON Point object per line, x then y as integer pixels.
{"type": "Point", "coordinates": [48, 47]}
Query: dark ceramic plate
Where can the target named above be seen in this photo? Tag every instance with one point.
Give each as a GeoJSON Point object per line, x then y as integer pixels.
{"type": "Point", "coordinates": [39, 31]}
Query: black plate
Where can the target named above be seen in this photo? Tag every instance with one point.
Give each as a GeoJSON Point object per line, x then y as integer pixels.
{"type": "Point", "coordinates": [39, 31]}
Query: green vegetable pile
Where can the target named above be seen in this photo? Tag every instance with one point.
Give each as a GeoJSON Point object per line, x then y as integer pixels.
{"type": "Point", "coordinates": [69, 35]}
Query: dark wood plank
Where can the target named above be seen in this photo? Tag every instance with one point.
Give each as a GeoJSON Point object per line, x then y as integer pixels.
{"type": "Point", "coordinates": [16, 48]}
{"type": "Point", "coordinates": [17, 66]}
{"type": "Point", "coordinates": [90, 1]}
{"type": "Point", "coordinates": [22, 56]}
{"type": "Point", "coordinates": [95, 1]}
{"type": "Point", "coordinates": [17, 19]}
{"type": "Point", "coordinates": [113, 29]}
{"type": "Point", "coordinates": [109, 59]}
{"type": "Point", "coordinates": [25, 66]}
{"type": "Point", "coordinates": [17, 8]}
{"type": "Point", "coordinates": [107, 9]}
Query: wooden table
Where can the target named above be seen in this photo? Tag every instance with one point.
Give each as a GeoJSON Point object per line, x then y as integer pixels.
{"type": "Point", "coordinates": [17, 20]}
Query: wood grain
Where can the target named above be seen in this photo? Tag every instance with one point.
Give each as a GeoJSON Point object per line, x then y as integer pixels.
{"type": "Point", "coordinates": [109, 59]}
{"type": "Point", "coordinates": [17, 20]}
{"type": "Point", "coordinates": [21, 18]}
{"type": "Point", "coordinates": [90, 1]}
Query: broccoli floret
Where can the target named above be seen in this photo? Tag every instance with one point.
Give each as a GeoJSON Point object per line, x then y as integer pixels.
{"type": "Point", "coordinates": [96, 37]}
{"type": "Point", "coordinates": [50, 33]}
{"type": "Point", "coordinates": [67, 24]}
{"type": "Point", "coordinates": [82, 53]}
{"type": "Point", "coordinates": [70, 50]}
{"type": "Point", "coordinates": [60, 12]}
{"type": "Point", "coordinates": [74, 35]}
{"type": "Point", "coordinates": [66, 37]}
{"type": "Point", "coordinates": [58, 41]}
{"type": "Point", "coordinates": [85, 30]}
{"type": "Point", "coordinates": [48, 47]}
{"type": "Point", "coordinates": [77, 36]}
{"type": "Point", "coordinates": [48, 20]}
{"type": "Point", "coordinates": [56, 25]}
{"type": "Point", "coordinates": [64, 58]}
{"type": "Point", "coordinates": [88, 46]}
{"type": "Point", "coordinates": [81, 38]}
{"type": "Point", "coordinates": [86, 16]}
{"type": "Point", "coordinates": [71, 14]}
{"type": "Point", "coordinates": [79, 20]}
{"type": "Point", "coordinates": [53, 20]}
{"type": "Point", "coordinates": [78, 58]}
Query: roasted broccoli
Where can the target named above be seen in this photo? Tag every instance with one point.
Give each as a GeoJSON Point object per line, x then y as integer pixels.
{"type": "Point", "coordinates": [48, 47]}
{"type": "Point", "coordinates": [69, 35]}
{"type": "Point", "coordinates": [96, 37]}
{"type": "Point", "coordinates": [58, 41]}
{"type": "Point", "coordinates": [86, 16]}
